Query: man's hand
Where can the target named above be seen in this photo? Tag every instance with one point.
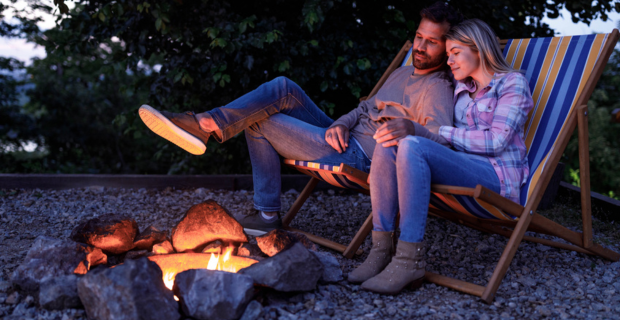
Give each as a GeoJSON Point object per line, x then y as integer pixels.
{"type": "Point", "coordinates": [393, 130]}
{"type": "Point", "coordinates": [338, 137]}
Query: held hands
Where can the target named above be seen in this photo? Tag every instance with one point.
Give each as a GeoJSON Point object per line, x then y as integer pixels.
{"type": "Point", "coordinates": [338, 137]}
{"type": "Point", "coordinates": [393, 130]}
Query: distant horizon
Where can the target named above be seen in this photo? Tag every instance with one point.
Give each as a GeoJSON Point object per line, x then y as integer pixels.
{"type": "Point", "coordinates": [563, 26]}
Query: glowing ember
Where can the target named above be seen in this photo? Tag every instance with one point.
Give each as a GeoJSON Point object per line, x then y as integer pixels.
{"type": "Point", "coordinates": [171, 264]}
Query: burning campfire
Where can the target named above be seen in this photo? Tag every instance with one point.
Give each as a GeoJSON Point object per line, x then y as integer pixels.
{"type": "Point", "coordinates": [172, 264]}
{"type": "Point", "coordinates": [207, 260]}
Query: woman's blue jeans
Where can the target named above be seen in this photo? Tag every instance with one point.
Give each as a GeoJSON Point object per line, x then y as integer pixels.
{"type": "Point", "coordinates": [279, 119]}
{"type": "Point", "coordinates": [401, 178]}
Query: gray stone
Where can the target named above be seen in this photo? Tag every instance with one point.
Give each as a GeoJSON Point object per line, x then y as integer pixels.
{"type": "Point", "coordinates": [60, 293]}
{"type": "Point", "coordinates": [204, 223]}
{"type": "Point", "coordinates": [23, 311]}
{"type": "Point", "coordinates": [483, 248]}
{"type": "Point", "coordinates": [163, 248]}
{"type": "Point", "coordinates": [133, 290]}
{"type": "Point", "coordinates": [277, 240]}
{"type": "Point", "coordinates": [252, 311]}
{"type": "Point", "coordinates": [294, 269]}
{"type": "Point", "coordinates": [527, 281]}
{"type": "Point", "coordinates": [213, 295]}
{"type": "Point", "coordinates": [215, 247]}
{"type": "Point", "coordinates": [111, 233]}
{"type": "Point", "coordinates": [13, 298]}
{"type": "Point", "coordinates": [148, 237]}
{"type": "Point", "coordinates": [543, 310]}
{"type": "Point", "coordinates": [5, 286]}
{"type": "Point", "coordinates": [132, 255]}
{"type": "Point", "coordinates": [49, 258]}
{"type": "Point", "coordinates": [331, 268]}
{"type": "Point", "coordinates": [249, 250]}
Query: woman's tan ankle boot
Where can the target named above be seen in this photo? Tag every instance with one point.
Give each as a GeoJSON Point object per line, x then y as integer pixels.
{"type": "Point", "coordinates": [379, 257]}
{"type": "Point", "coordinates": [407, 268]}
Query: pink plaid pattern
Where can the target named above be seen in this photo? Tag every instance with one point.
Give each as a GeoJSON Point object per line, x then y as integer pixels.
{"type": "Point", "coordinates": [496, 121]}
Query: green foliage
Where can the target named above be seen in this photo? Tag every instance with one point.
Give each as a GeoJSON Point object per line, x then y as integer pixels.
{"type": "Point", "coordinates": [604, 143]}
{"type": "Point", "coordinates": [89, 87]}
{"type": "Point", "coordinates": [17, 127]}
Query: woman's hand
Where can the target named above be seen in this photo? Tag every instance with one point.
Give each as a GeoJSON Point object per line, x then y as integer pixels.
{"type": "Point", "coordinates": [338, 137]}
{"type": "Point", "coordinates": [393, 130]}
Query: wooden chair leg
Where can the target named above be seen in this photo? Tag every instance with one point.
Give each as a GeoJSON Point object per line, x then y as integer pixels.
{"type": "Point", "coordinates": [509, 252]}
{"type": "Point", "coordinates": [584, 171]}
{"type": "Point", "coordinates": [359, 237]}
{"type": "Point", "coordinates": [303, 196]}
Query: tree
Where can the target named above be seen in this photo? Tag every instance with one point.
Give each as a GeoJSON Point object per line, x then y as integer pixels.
{"type": "Point", "coordinates": [604, 144]}
{"type": "Point", "coordinates": [210, 52]}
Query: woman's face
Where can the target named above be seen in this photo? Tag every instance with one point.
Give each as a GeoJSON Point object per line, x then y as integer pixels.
{"type": "Point", "coordinates": [463, 61]}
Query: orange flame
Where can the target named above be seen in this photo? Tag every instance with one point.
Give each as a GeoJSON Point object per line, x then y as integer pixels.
{"type": "Point", "coordinates": [171, 264]}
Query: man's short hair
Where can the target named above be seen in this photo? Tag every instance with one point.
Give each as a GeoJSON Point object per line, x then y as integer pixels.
{"type": "Point", "coordinates": [439, 12]}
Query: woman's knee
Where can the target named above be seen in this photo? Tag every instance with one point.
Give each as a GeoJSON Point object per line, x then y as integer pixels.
{"type": "Point", "coordinates": [412, 147]}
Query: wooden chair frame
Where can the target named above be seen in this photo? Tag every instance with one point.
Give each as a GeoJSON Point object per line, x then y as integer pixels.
{"type": "Point", "coordinates": [527, 217]}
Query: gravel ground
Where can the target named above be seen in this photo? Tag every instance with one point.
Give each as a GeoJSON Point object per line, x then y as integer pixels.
{"type": "Point", "coordinates": [541, 281]}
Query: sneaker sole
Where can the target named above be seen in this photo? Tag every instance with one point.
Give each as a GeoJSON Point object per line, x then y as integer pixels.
{"type": "Point", "coordinates": [254, 232]}
{"type": "Point", "coordinates": [169, 131]}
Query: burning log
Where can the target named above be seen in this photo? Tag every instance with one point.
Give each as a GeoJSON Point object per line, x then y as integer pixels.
{"type": "Point", "coordinates": [111, 233]}
{"type": "Point", "coordinates": [204, 223]}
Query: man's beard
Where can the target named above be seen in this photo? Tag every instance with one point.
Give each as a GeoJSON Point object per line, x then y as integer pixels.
{"type": "Point", "coordinates": [428, 64]}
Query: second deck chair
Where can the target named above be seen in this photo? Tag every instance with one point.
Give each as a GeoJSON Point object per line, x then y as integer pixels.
{"type": "Point", "coordinates": [562, 73]}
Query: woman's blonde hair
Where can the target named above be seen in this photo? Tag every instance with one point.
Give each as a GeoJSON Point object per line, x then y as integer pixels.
{"type": "Point", "coordinates": [479, 37]}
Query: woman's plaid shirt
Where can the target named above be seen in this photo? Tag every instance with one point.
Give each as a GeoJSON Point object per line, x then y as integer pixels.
{"type": "Point", "coordinates": [496, 120]}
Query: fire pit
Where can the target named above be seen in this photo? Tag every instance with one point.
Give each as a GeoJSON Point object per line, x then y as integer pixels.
{"type": "Point", "coordinates": [207, 249]}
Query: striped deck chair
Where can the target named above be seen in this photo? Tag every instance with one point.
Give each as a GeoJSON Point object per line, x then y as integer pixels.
{"type": "Point", "coordinates": [562, 73]}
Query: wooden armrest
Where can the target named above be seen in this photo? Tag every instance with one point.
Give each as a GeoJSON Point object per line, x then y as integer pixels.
{"type": "Point", "coordinates": [358, 176]}
{"type": "Point", "coordinates": [483, 194]}
{"type": "Point", "coordinates": [496, 199]}
{"type": "Point", "coordinates": [461, 191]}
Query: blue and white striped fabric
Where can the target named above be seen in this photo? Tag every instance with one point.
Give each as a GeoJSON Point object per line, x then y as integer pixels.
{"type": "Point", "coordinates": [557, 70]}
{"type": "Point", "coordinates": [328, 173]}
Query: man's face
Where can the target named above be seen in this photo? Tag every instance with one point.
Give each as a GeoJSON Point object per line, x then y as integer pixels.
{"type": "Point", "coordinates": [429, 45]}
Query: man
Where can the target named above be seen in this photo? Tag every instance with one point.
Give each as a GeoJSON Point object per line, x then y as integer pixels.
{"type": "Point", "coordinates": [279, 119]}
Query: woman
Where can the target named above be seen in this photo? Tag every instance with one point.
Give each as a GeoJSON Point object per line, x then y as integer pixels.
{"type": "Point", "coordinates": [491, 105]}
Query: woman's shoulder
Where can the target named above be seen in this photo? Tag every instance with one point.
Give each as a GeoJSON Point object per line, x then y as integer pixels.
{"type": "Point", "coordinates": [513, 77]}
{"type": "Point", "coordinates": [510, 79]}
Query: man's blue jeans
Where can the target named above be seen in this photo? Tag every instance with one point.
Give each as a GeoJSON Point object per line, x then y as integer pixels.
{"type": "Point", "coordinates": [401, 178]}
{"type": "Point", "coordinates": [279, 119]}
